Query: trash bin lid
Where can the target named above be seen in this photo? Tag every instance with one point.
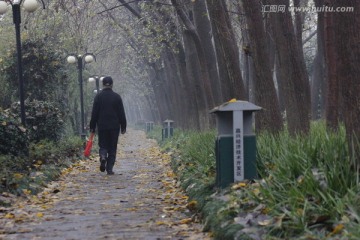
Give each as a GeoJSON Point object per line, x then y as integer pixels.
{"type": "Point", "coordinates": [236, 106]}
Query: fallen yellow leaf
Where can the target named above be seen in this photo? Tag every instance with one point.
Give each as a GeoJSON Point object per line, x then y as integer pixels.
{"type": "Point", "coordinates": [256, 191]}
{"type": "Point", "coordinates": [232, 100]}
{"type": "Point", "coordinates": [338, 228]}
{"type": "Point", "coordinates": [345, 219]}
{"type": "Point", "coordinates": [170, 174]}
{"type": "Point", "coordinates": [9, 216]}
{"type": "Point", "coordinates": [39, 215]}
{"type": "Point", "coordinates": [300, 179]}
{"type": "Point", "coordinates": [22, 128]}
{"type": "Point", "coordinates": [265, 210]}
{"type": "Point", "coordinates": [192, 205]}
{"type": "Point", "coordinates": [186, 221]}
{"type": "Point", "coordinates": [238, 186]}
{"type": "Point", "coordinates": [18, 176]}
{"type": "Point", "coordinates": [300, 211]}
{"type": "Point", "coordinates": [265, 222]}
{"type": "Point", "coordinates": [184, 198]}
{"type": "Point", "coordinates": [160, 223]}
{"type": "Point", "coordinates": [26, 191]}
{"type": "Point", "coordinates": [132, 209]}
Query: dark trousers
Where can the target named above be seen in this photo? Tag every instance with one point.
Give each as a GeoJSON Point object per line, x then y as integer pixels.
{"type": "Point", "coordinates": [108, 140]}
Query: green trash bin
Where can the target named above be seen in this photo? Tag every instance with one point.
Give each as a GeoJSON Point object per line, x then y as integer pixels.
{"type": "Point", "coordinates": [149, 126]}
{"type": "Point", "coordinates": [168, 129]}
{"type": "Point", "coordinates": [235, 145]}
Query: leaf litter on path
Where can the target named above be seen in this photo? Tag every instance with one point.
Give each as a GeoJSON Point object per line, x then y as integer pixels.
{"type": "Point", "coordinates": [142, 200]}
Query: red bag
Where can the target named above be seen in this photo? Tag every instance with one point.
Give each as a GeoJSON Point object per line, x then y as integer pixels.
{"type": "Point", "coordinates": [88, 147]}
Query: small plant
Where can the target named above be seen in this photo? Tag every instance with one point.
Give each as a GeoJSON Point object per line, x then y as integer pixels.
{"type": "Point", "coordinates": [14, 137]}
{"type": "Point", "coordinates": [44, 120]}
{"type": "Point", "coordinates": [306, 180]}
{"type": "Point", "coordinates": [13, 171]}
{"type": "Point", "coordinates": [307, 188]}
{"type": "Point", "coordinates": [71, 146]}
{"type": "Point", "coordinates": [155, 133]}
{"type": "Point", "coordinates": [44, 163]}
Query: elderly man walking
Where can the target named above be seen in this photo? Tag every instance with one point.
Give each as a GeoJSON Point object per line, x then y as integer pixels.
{"type": "Point", "coordinates": [108, 115]}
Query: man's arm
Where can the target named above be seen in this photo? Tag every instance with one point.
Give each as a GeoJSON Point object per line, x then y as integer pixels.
{"type": "Point", "coordinates": [122, 116]}
{"type": "Point", "coordinates": [94, 115]}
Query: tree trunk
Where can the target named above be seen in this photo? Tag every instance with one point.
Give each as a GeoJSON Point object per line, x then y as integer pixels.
{"type": "Point", "coordinates": [299, 21]}
{"type": "Point", "coordinates": [186, 106]}
{"type": "Point", "coordinates": [175, 89]}
{"type": "Point", "coordinates": [192, 110]}
{"type": "Point", "coordinates": [291, 68]}
{"type": "Point", "coordinates": [227, 51]}
{"type": "Point", "coordinates": [333, 91]}
{"type": "Point", "coordinates": [203, 27]}
{"type": "Point", "coordinates": [200, 55]}
{"type": "Point", "coordinates": [196, 86]}
{"type": "Point", "coordinates": [347, 35]}
{"type": "Point", "coordinates": [265, 94]}
{"type": "Point", "coordinates": [317, 87]}
{"type": "Point", "coordinates": [279, 78]}
{"type": "Point", "coordinates": [318, 84]}
{"type": "Point", "coordinates": [158, 87]}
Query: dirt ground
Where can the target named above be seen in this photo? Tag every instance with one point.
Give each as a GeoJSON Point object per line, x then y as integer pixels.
{"type": "Point", "coordinates": [141, 201]}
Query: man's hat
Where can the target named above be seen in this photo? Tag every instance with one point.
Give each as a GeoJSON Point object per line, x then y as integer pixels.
{"type": "Point", "coordinates": [107, 81]}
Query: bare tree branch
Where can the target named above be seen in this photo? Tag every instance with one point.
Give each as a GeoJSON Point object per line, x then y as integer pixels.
{"type": "Point", "coordinates": [123, 4]}
{"type": "Point", "coordinates": [309, 37]}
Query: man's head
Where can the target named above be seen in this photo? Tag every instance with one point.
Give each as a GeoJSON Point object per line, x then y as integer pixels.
{"type": "Point", "coordinates": [107, 82]}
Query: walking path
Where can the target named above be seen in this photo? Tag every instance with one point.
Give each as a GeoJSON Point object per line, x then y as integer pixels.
{"type": "Point", "coordinates": [141, 201]}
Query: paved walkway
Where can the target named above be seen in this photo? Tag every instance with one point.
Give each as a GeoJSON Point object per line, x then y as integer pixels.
{"type": "Point", "coordinates": [141, 201]}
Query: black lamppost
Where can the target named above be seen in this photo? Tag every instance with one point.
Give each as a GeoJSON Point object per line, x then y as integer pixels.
{"type": "Point", "coordinates": [30, 6]}
{"type": "Point", "coordinates": [81, 61]}
{"type": "Point", "coordinates": [97, 80]}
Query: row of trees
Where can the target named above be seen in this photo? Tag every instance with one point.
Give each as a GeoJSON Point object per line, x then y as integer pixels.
{"type": "Point", "coordinates": [204, 64]}
{"type": "Point", "coordinates": [178, 59]}
{"type": "Point", "coordinates": [204, 69]}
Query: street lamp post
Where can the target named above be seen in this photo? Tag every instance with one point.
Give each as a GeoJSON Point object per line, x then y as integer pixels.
{"type": "Point", "coordinates": [30, 6]}
{"type": "Point", "coordinates": [97, 80]}
{"type": "Point", "coordinates": [81, 61]}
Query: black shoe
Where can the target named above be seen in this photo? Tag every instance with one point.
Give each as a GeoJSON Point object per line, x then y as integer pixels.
{"type": "Point", "coordinates": [110, 173]}
{"type": "Point", "coordinates": [102, 165]}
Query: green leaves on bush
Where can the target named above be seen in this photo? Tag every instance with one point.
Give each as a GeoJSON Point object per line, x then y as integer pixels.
{"type": "Point", "coordinates": [43, 119]}
{"type": "Point", "coordinates": [13, 136]}
{"type": "Point", "coordinates": [48, 152]}
{"type": "Point", "coordinates": [44, 163]}
{"type": "Point", "coordinates": [12, 172]}
{"type": "Point", "coordinates": [44, 71]}
{"type": "Point", "coordinates": [308, 189]}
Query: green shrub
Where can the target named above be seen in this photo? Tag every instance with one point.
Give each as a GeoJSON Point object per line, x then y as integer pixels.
{"type": "Point", "coordinates": [44, 71]}
{"type": "Point", "coordinates": [43, 119]}
{"type": "Point", "coordinates": [71, 146]}
{"type": "Point", "coordinates": [13, 136]}
{"type": "Point", "coordinates": [308, 186]}
{"type": "Point", "coordinates": [155, 133]}
{"type": "Point", "coordinates": [49, 152]}
{"type": "Point", "coordinates": [43, 122]}
{"type": "Point", "coordinates": [44, 163]}
{"type": "Point", "coordinates": [44, 152]}
{"type": "Point", "coordinates": [306, 179]}
{"type": "Point", "coordinates": [12, 172]}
